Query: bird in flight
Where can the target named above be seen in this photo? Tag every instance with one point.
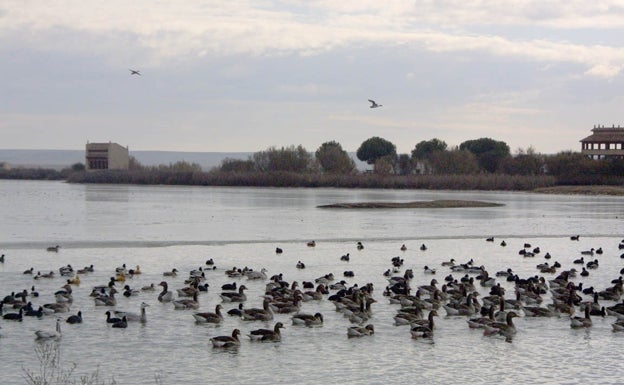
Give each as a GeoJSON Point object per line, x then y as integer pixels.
{"type": "Point", "coordinates": [374, 104]}
{"type": "Point", "coordinates": [134, 72]}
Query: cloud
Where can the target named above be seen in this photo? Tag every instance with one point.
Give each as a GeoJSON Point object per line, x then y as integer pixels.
{"type": "Point", "coordinates": [184, 31]}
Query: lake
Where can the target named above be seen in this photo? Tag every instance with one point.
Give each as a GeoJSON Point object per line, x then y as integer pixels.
{"type": "Point", "coordinates": [164, 227]}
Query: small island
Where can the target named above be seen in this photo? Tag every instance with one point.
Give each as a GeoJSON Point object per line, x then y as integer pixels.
{"type": "Point", "coordinates": [436, 204]}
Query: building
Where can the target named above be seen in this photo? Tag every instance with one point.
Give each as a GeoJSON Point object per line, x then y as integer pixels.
{"type": "Point", "coordinates": [604, 142]}
{"type": "Point", "coordinates": [106, 156]}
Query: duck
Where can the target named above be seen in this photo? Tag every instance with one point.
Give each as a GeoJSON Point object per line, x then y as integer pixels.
{"type": "Point", "coordinates": [226, 341]}
{"type": "Point", "coordinates": [359, 246]}
{"type": "Point", "coordinates": [53, 249]}
{"type": "Point", "coordinates": [423, 247]}
{"type": "Point", "coordinates": [50, 334]}
{"type": "Point", "coordinates": [307, 319]}
{"type": "Point", "coordinates": [451, 262]}
{"type": "Point", "coordinates": [85, 270]}
{"type": "Point", "coordinates": [267, 335]}
{"type": "Point", "coordinates": [135, 271]}
{"type": "Point", "coordinates": [149, 287]}
{"type": "Point", "coordinates": [311, 244]}
{"type": "Point", "coordinates": [172, 273]}
{"type": "Point", "coordinates": [188, 291]}
{"type": "Point", "coordinates": [229, 286]}
{"type": "Point", "coordinates": [581, 322]}
{"type": "Point", "coordinates": [128, 292]}
{"type": "Point", "coordinates": [29, 271]}
{"type": "Point", "coordinates": [403, 248]}
{"type": "Point", "coordinates": [165, 295]}
{"type": "Point", "coordinates": [234, 296]}
{"type": "Point", "coordinates": [300, 265]}
{"type": "Point", "coordinates": [588, 252]}
{"type": "Point", "coordinates": [358, 331]}
{"type": "Point", "coordinates": [345, 257]}
{"type": "Point", "coordinates": [428, 270]}
{"type": "Point", "coordinates": [110, 319]}
{"type": "Point", "coordinates": [618, 326]}
{"type": "Point", "coordinates": [238, 312]}
{"type": "Point", "coordinates": [75, 318]}
{"type": "Point", "coordinates": [14, 316]}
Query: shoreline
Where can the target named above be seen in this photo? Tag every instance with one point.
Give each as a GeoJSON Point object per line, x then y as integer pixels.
{"type": "Point", "coordinates": [435, 204]}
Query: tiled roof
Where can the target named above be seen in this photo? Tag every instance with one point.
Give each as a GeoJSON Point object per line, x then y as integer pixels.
{"type": "Point", "coordinates": [606, 135]}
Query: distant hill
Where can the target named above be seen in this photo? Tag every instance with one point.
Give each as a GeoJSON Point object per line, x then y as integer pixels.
{"type": "Point", "coordinates": [59, 159]}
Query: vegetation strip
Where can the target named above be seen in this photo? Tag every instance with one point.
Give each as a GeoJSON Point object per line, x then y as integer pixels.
{"type": "Point", "coordinates": [437, 204]}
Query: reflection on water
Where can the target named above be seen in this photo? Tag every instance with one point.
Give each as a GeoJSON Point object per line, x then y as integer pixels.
{"type": "Point", "coordinates": [160, 228]}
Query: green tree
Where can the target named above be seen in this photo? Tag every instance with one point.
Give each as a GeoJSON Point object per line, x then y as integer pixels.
{"type": "Point", "coordinates": [333, 159]}
{"type": "Point", "coordinates": [77, 167]}
{"type": "Point", "coordinates": [489, 152]}
{"type": "Point", "coordinates": [523, 163]}
{"type": "Point", "coordinates": [405, 164]}
{"type": "Point", "coordinates": [375, 148]}
{"type": "Point", "coordinates": [425, 148]}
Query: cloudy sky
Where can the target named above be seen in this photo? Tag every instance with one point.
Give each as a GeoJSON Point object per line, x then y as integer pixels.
{"type": "Point", "coordinates": [238, 75]}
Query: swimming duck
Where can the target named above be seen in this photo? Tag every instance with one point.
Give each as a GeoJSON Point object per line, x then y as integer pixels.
{"type": "Point", "coordinates": [403, 248]}
{"type": "Point", "coordinates": [171, 273]}
{"type": "Point", "coordinates": [427, 270]}
{"type": "Point", "coordinates": [311, 243]}
{"type": "Point", "coordinates": [226, 341]}
{"type": "Point", "coordinates": [449, 263]}
{"type": "Point", "coordinates": [121, 324]}
{"type": "Point", "coordinates": [300, 265]}
{"type": "Point", "coordinates": [267, 335]}
{"type": "Point", "coordinates": [359, 246]}
{"type": "Point", "coordinates": [54, 249]}
{"type": "Point", "coordinates": [208, 317]}
{"type": "Point", "coordinates": [135, 271]}
{"type": "Point", "coordinates": [238, 312]}
{"type": "Point", "coordinates": [74, 319]}
{"type": "Point", "coordinates": [106, 300]}
{"type": "Point", "coordinates": [423, 247]}
{"type": "Point", "coordinates": [29, 271]}
{"type": "Point", "coordinates": [358, 331]}
{"type": "Point", "coordinates": [50, 334]}
{"type": "Point", "coordinates": [110, 319]}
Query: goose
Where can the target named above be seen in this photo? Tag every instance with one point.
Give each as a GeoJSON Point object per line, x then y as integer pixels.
{"type": "Point", "coordinates": [106, 300]}
{"type": "Point", "coordinates": [307, 319]}
{"type": "Point", "coordinates": [122, 324]}
{"type": "Point", "coordinates": [618, 326]}
{"type": "Point", "coordinates": [425, 322]}
{"type": "Point", "coordinates": [207, 317]}
{"type": "Point", "coordinates": [226, 341]}
{"type": "Point", "coordinates": [74, 319]}
{"type": "Point", "coordinates": [581, 322]}
{"type": "Point", "coordinates": [255, 314]}
{"type": "Point", "coordinates": [461, 309]}
{"type": "Point", "coordinates": [165, 295]}
{"type": "Point", "coordinates": [424, 330]}
{"type": "Point", "coordinates": [480, 322]}
{"type": "Point", "coordinates": [234, 297]}
{"type": "Point", "coordinates": [358, 331]}
{"type": "Point", "coordinates": [171, 273]}
{"type": "Point", "coordinates": [506, 329]}
{"type": "Point", "coordinates": [537, 311]}
{"type": "Point", "coordinates": [50, 334]}
{"type": "Point", "coordinates": [185, 304]}
{"type": "Point", "coordinates": [257, 274]}
{"type": "Point", "coordinates": [267, 335]}
{"type": "Point", "coordinates": [133, 317]}
{"type": "Point", "coordinates": [188, 291]}
{"type": "Point", "coordinates": [374, 104]}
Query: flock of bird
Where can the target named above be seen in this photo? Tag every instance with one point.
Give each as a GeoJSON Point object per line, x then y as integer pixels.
{"type": "Point", "coordinates": [468, 291]}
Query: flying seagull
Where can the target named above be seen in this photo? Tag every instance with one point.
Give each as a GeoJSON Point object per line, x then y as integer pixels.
{"type": "Point", "coordinates": [134, 72]}
{"type": "Point", "coordinates": [374, 104]}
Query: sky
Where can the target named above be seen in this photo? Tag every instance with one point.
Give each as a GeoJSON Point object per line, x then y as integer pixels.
{"type": "Point", "coordinates": [243, 76]}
